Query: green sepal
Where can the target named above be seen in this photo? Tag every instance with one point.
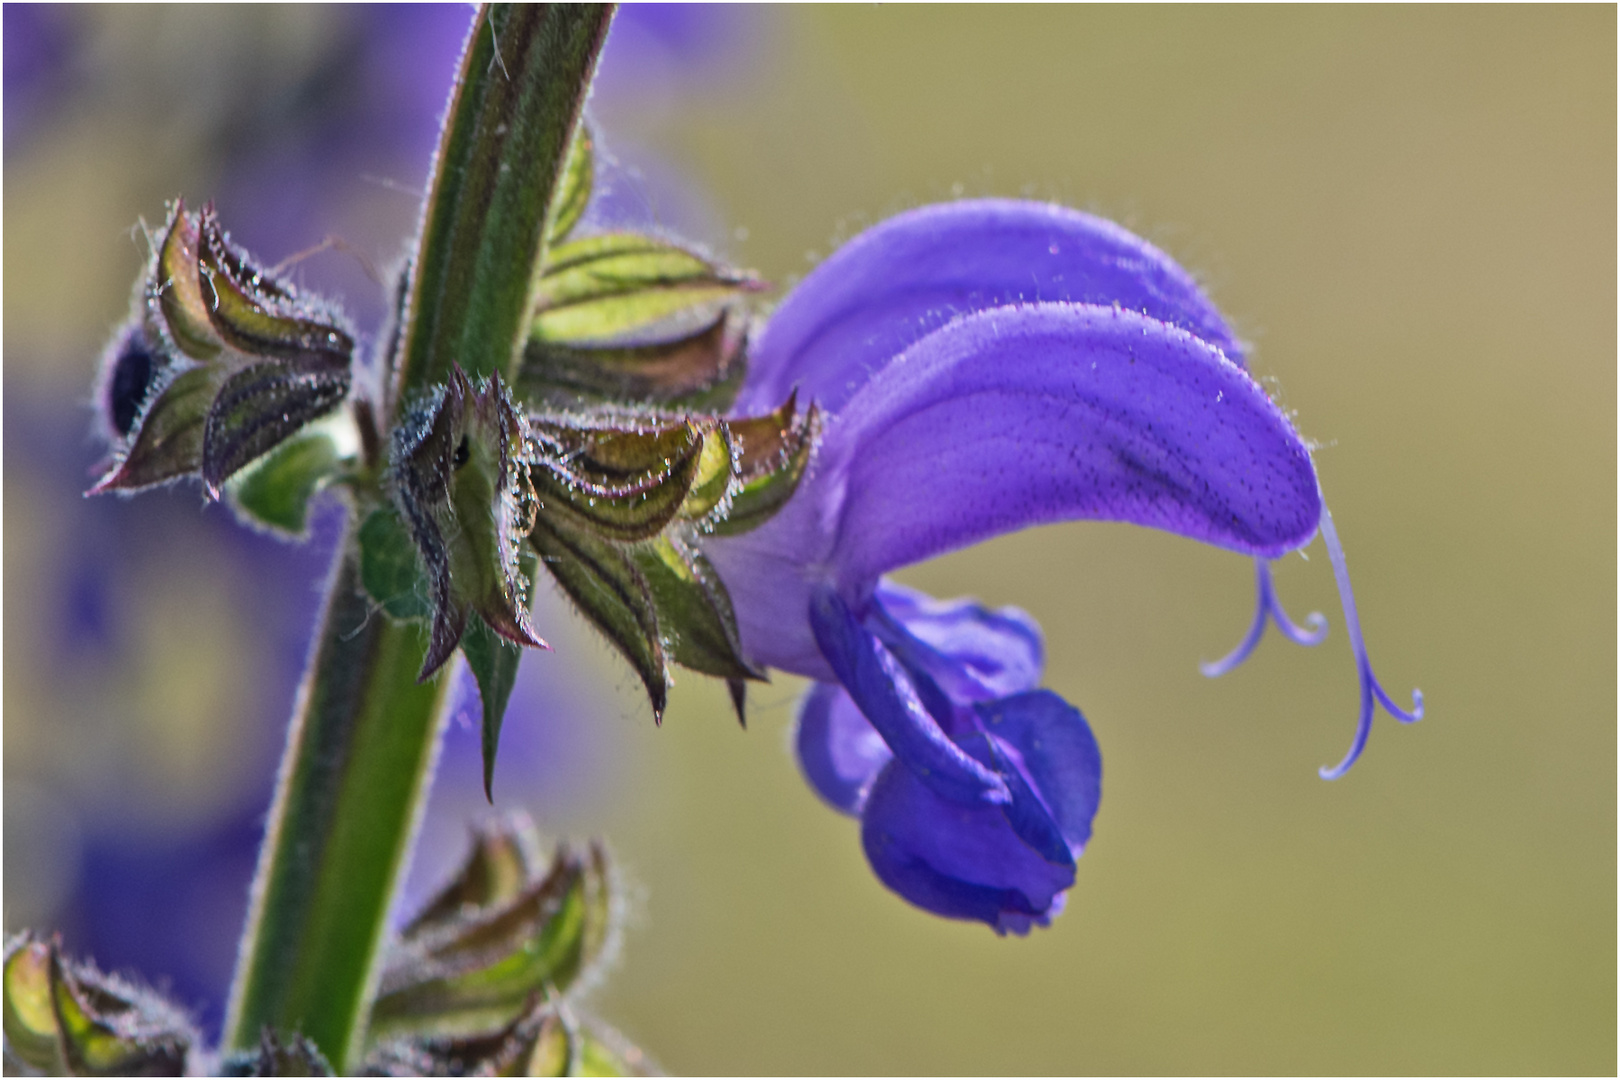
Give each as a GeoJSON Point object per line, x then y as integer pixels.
{"type": "Point", "coordinates": [623, 482]}
{"type": "Point", "coordinates": [772, 452]}
{"type": "Point", "coordinates": [30, 1019]}
{"type": "Point", "coordinates": [167, 438]}
{"type": "Point", "coordinates": [711, 480]}
{"type": "Point", "coordinates": [494, 663]}
{"type": "Point", "coordinates": [611, 287]}
{"type": "Point", "coordinates": [702, 370]}
{"type": "Point", "coordinates": [539, 1041]}
{"type": "Point", "coordinates": [175, 291]}
{"type": "Point", "coordinates": [604, 583]}
{"type": "Point", "coordinates": [260, 316]}
{"type": "Point", "coordinates": [259, 407]}
{"type": "Point", "coordinates": [275, 494]}
{"type": "Point", "coordinates": [573, 187]}
{"type": "Point", "coordinates": [695, 615]}
{"type": "Point", "coordinates": [65, 1017]}
{"type": "Point", "coordinates": [389, 567]}
{"type": "Point", "coordinates": [477, 972]}
{"type": "Point", "coordinates": [459, 477]}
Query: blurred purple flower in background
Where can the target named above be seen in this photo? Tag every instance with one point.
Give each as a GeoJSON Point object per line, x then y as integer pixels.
{"type": "Point", "coordinates": [987, 366]}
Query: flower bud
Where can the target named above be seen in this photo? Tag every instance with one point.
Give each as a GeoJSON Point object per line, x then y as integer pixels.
{"type": "Point", "coordinates": [66, 1018]}
{"type": "Point", "coordinates": [458, 481]}
{"type": "Point", "coordinates": [499, 934]}
{"type": "Point", "coordinates": [220, 363]}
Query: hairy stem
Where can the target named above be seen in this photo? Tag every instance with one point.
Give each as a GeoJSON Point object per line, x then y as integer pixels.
{"type": "Point", "coordinates": [514, 113]}
{"type": "Point", "coordinates": [365, 735]}
{"type": "Point", "coordinates": [359, 754]}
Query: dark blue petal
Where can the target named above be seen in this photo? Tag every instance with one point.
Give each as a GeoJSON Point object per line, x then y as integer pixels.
{"type": "Point", "coordinates": [1031, 819]}
{"type": "Point", "coordinates": [1053, 746]}
{"type": "Point", "coordinates": [838, 750]}
{"type": "Point", "coordinates": [878, 684]}
{"type": "Point", "coordinates": [988, 654]}
{"type": "Point", "coordinates": [962, 862]}
{"type": "Point", "coordinates": [910, 275]}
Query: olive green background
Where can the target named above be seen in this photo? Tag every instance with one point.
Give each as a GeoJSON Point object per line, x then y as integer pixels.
{"type": "Point", "coordinates": [1410, 213]}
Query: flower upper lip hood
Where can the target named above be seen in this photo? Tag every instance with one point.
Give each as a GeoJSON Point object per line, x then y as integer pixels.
{"type": "Point", "coordinates": [989, 365]}
{"type": "Point", "coordinates": [910, 275]}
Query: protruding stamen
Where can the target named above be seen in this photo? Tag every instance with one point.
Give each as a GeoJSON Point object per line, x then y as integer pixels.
{"type": "Point", "coordinates": [1267, 605]}
{"type": "Point", "coordinates": [1372, 694]}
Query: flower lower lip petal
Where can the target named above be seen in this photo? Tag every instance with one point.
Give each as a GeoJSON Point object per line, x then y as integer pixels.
{"type": "Point", "coordinates": [958, 861]}
{"type": "Point", "coordinates": [883, 691]}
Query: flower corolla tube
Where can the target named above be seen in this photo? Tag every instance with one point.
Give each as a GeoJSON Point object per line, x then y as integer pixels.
{"type": "Point", "coordinates": [983, 366]}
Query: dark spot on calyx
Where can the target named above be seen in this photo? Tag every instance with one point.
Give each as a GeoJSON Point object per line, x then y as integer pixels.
{"type": "Point", "coordinates": [461, 454]}
{"type": "Point", "coordinates": [131, 376]}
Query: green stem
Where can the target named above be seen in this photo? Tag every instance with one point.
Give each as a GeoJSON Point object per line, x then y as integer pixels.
{"type": "Point", "coordinates": [512, 119]}
{"type": "Point", "coordinates": [365, 735]}
{"type": "Point", "coordinates": [359, 755]}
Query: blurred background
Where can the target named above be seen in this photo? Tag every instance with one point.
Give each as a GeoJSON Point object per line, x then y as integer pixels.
{"type": "Point", "coordinates": [1409, 212]}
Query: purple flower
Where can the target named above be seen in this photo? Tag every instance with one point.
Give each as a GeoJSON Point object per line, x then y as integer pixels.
{"type": "Point", "coordinates": [985, 366]}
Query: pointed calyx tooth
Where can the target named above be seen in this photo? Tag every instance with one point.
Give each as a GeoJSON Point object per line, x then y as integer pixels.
{"type": "Point", "coordinates": [694, 609]}
{"type": "Point", "coordinates": [258, 315]}
{"type": "Point", "coordinates": [772, 452]}
{"type": "Point", "coordinates": [465, 967]}
{"type": "Point", "coordinates": [607, 586]}
{"type": "Point", "coordinates": [220, 363]}
{"type": "Point", "coordinates": [622, 479]}
{"type": "Point", "coordinates": [464, 496]}
{"type": "Point", "coordinates": [65, 1018]}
